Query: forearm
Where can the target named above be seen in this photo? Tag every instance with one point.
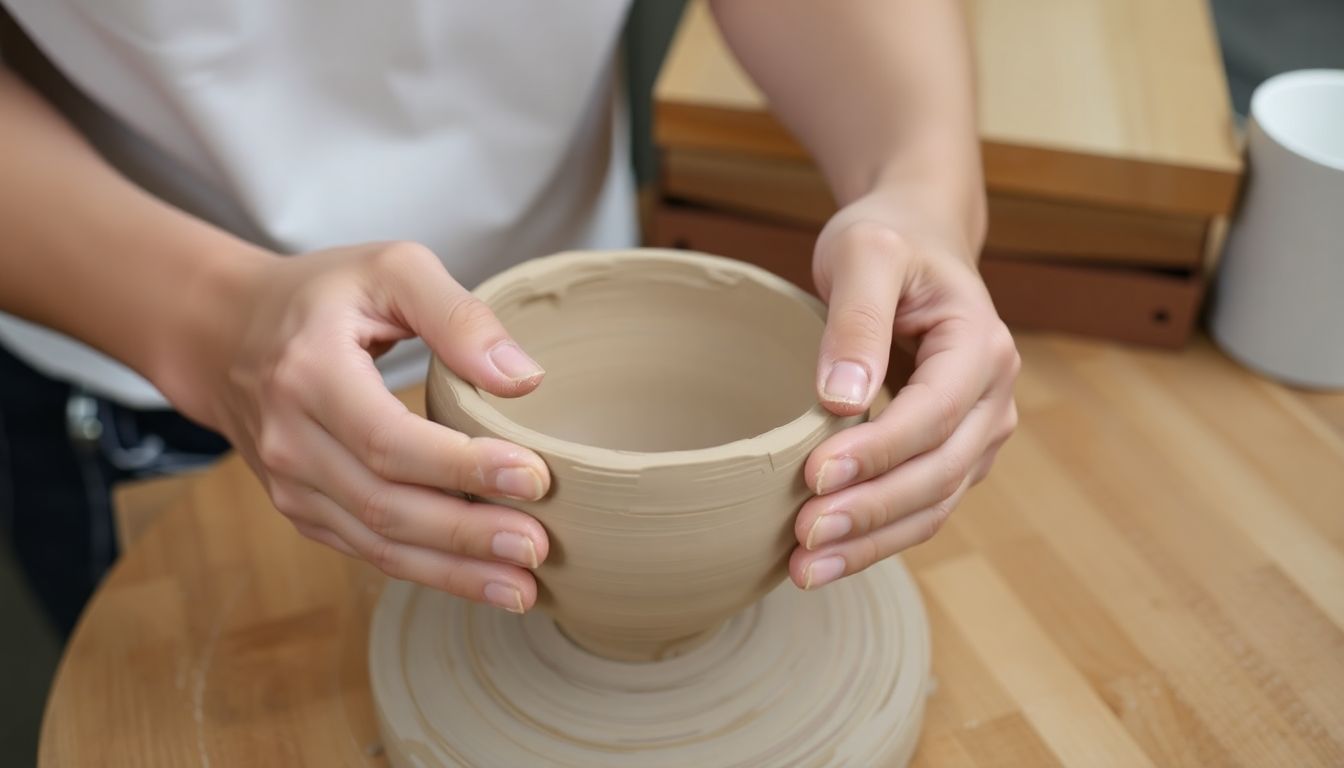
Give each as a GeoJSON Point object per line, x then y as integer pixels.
{"type": "Point", "coordinates": [90, 254]}
{"type": "Point", "coordinates": [881, 92]}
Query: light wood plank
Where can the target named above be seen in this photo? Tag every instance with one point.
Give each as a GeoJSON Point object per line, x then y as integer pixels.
{"type": "Point", "coordinates": [966, 693]}
{"type": "Point", "coordinates": [941, 749]}
{"type": "Point", "coordinates": [1098, 646]}
{"type": "Point", "coordinates": [1232, 485]}
{"type": "Point", "coordinates": [1147, 593]}
{"type": "Point", "coordinates": [1006, 742]}
{"type": "Point", "coordinates": [1231, 402]}
{"type": "Point", "coordinates": [793, 192]}
{"type": "Point", "coordinates": [1061, 707]}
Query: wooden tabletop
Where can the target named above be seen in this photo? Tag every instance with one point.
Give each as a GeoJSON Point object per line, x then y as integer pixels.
{"type": "Point", "coordinates": [1153, 575]}
{"type": "Point", "coordinates": [1117, 102]}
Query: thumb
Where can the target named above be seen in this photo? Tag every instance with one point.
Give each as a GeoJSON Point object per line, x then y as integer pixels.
{"type": "Point", "coordinates": [460, 329]}
{"type": "Point", "coordinates": [865, 280]}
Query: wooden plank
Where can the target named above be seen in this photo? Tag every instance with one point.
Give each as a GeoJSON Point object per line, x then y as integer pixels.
{"type": "Point", "coordinates": [1242, 496]}
{"type": "Point", "coordinates": [1134, 306]}
{"type": "Point", "coordinates": [1222, 576]}
{"type": "Point", "coordinates": [793, 192]}
{"type": "Point", "coordinates": [786, 191]}
{"type": "Point", "coordinates": [1140, 578]}
{"type": "Point", "coordinates": [1111, 102]}
{"type": "Point", "coordinates": [1266, 414]}
{"type": "Point", "coordinates": [966, 694]}
{"type": "Point", "coordinates": [1053, 697]}
{"type": "Point", "coordinates": [786, 251]}
{"type": "Point", "coordinates": [1328, 407]}
{"type": "Point", "coordinates": [1155, 715]}
{"type": "Point", "coordinates": [940, 749]}
{"type": "Point", "coordinates": [1006, 742]}
{"type": "Point", "coordinates": [1109, 181]}
{"type": "Point", "coordinates": [1030, 228]}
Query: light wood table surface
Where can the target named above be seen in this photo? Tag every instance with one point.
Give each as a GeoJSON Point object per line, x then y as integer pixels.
{"type": "Point", "coordinates": [1153, 575]}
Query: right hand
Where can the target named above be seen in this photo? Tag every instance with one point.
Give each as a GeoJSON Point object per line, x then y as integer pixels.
{"type": "Point", "coordinates": [292, 383]}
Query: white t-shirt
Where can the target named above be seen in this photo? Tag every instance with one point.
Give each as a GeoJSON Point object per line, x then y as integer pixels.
{"type": "Point", "coordinates": [490, 131]}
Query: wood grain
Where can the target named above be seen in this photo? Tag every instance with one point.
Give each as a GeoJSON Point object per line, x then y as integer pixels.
{"type": "Point", "coordinates": [1146, 577]}
{"type": "Point", "coordinates": [1113, 102]}
{"type": "Point", "coordinates": [138, 503]}
{"type": "Point", "coordinates": [792, 192]}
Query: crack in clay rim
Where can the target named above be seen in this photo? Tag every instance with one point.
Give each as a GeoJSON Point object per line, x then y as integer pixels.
{"type": "Point", "coordinates": [574, 267]}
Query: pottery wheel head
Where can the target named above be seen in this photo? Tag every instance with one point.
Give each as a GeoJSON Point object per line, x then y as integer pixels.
{"type": "Point", "coordinates": [676, 414]}
{"type": "Point", "coordinates": [798, 679]}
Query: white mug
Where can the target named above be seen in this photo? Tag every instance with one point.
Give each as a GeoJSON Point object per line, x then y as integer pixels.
{"type": "Point", "coordinates": [1278, 302]}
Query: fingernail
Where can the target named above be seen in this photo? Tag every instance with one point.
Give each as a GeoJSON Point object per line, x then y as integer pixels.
{"type": "Point", "coordinates": [521, 483]}
{"type": "Point", "coordinates": [504, 596]}
{"type": "Point", "coordinates": [835, 473]}
{"type": "Point", "coordinates": [828, 528]}
{"type": "Point", "coordinates": [510, 360]}
{"type": "Point", "coordinates": [515, 547]}
{"type": "Point", "coordinates": [823, 571]}
{"type": "Point", "coordinates": [846, 383]}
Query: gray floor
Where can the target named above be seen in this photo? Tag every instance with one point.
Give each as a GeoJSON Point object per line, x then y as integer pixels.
{"type": "Point", "coordinates": [1260, 38]}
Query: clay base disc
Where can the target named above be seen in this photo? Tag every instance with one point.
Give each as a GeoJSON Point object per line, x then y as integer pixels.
{"type": "Point", "coordinates": [835, 677]}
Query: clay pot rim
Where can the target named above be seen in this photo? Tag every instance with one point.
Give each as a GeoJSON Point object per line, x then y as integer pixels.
{"type": "Point", "coordinates": [781, 438]}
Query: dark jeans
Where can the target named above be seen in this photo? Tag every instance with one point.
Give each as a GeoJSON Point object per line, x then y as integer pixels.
{"type": "Point", "coordinates": [60, 452]}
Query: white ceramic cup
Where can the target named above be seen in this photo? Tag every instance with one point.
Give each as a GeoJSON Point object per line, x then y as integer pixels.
{"type": "Point", "coordinates": [1278, 303]}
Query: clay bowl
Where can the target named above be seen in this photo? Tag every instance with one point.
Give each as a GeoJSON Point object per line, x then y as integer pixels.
{"type": "Point", "coordinates": [676, 414]}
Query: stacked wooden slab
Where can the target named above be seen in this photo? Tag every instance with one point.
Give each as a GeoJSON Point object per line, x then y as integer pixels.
{"type": "Point", "coordinates": [1110, 150]}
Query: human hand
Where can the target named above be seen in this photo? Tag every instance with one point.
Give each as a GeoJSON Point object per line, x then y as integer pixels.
{"type": "Point", "coordinates": [887, 269]}
{"type": "Point", "coordinates": [291, 381]}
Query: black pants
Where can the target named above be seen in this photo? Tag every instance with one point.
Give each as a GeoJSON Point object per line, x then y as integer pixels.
{"type": "Point", "coordinates": [60, 452]}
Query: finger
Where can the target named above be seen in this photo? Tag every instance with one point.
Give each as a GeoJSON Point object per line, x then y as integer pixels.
{"type": "Point", "coordinates": [461, 330]}
{"type": "Point", "coordinates": [812, 570]}
{"type": "Point", "coordinates": [325, 536]}
{"type": "Point", "coordinates": [915, 485]}
{"type": "Point", "coordinates": [864, 286]}
{"type": "Point", "coordinates": [410, 514]}
{"type": "Point", "coordinates": [982, 468]}
{"type": "Point", "coordinates": [954, 373]}
{"type": "Point", "coordinates": [504, 586]}
{"type": "Point", "coordinates": [355, 407]}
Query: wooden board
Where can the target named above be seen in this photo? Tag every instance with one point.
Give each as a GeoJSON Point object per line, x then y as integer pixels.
{"type": "Point", "coordinates": [1130, 305]}
{"type": "Point", "coordinates": [1150, 576]}
{"type": "Point", "coordinates": [792, 192]}
{"type": "Point", "coordinates": [1136, 306]}
{"type": "Point", "coordinates": [1110, 102]}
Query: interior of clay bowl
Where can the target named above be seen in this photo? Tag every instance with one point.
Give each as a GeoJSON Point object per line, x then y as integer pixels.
{"type": "Point", "coordinates": [654, 351]}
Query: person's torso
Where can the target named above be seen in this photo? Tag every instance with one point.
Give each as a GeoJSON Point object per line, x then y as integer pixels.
{"type": "Point", "coordinates": [488, 131]}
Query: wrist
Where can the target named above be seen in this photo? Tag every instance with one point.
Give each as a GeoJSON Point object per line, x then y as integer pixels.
{"type": "Point", "coordinates": [203, 322]}
{"type": "Point", "coordinates": [946, 205]}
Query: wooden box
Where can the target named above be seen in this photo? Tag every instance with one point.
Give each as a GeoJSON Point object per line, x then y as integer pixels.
{"type": "Point", "coordinates": [1110, 155]}
{"type": "Point", "coordinates": [1138, 306]}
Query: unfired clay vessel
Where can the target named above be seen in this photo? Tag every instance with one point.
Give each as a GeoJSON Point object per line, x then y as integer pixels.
{"type": "Point", "coordinates": [676, 414]}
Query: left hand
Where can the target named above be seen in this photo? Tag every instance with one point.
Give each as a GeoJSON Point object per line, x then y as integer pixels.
{"type": "Point", "coordinates": [887, 269]}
